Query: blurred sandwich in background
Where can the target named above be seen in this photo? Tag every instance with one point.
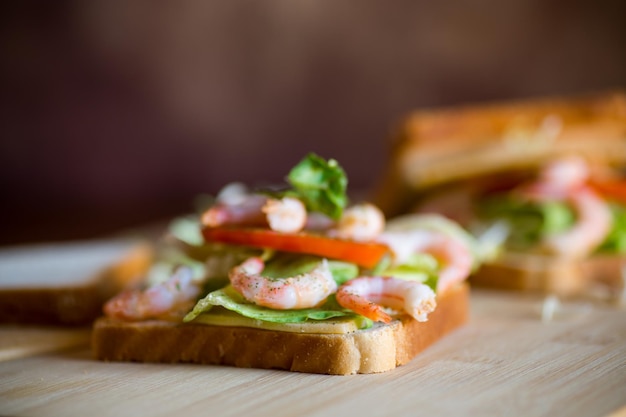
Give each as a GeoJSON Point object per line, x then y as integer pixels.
{"type": "Point", "coordinates": [540, 182]}
{"type": "Point", "coordinates": [66, 284]}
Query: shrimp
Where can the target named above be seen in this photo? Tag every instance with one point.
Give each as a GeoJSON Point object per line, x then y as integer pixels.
{"type": "Point", "coordinates": [361, 222]}
{"type": "Point", "coordinates": [245, 211]}
{"type": "Point", "coordinates": [454, 257]}
{"type": "Point", "coordinates": [283, 215]}
{"type": "Point", "coordinates": [368, 295]}
{"type": "Point", "coordinates": [564, 180]}
{"type": "Point", "coordinates": [287, 215]}
{"type": "Point", "coordinates": [236, 206]}
{"type": "Point", "coordinates": [593, 223]}
{"type": "Point", "coordinates": [178, 292]}
{"type": "Point", "coordinates": [301, 291]}
{"type": "Point", "coordinates": [557, 180]}
{"type": "Point", "coordinates": [566, 173]}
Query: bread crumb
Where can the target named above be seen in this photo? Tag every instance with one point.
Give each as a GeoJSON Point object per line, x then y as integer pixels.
{"type": "Point", "coordinates": [550, 306]}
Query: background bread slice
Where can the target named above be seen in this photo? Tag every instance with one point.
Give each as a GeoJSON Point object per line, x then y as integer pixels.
{"type": "Point", "coordinates": [68, 283]}
{"type": "Point", "coordinates": [435, 148]}
{"type": "Point", "coordinates": [543, 273]}
{"type": "Point", "coordinates": [379, 349]}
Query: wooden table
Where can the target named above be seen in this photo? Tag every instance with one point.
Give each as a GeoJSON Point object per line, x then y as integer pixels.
{"type": "Point", "coordinates": [506, 361]}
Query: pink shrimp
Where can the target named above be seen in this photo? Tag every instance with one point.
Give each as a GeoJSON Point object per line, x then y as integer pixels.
{"type": "Point", "coordinates": [246, 211]}
{"type": "Point", "coordinates": [302, 291]}
{"type": "Point", "coordinates": [454, 257]}
{"type": "Point", "coordinates": [286, 215]}
{"type": "Point", "coordinates": [593, 223]}
{"type": "Point", "coordinates": [160, 300]}
{"type": "Point", "coordinates": [361, 222]}
{"type": "Point", "coordinates": [556, 180]}
{"type": "Point", "coordinates": [236, 206]}
{"type": "Point", "coordinates": [367, 296]}
{"type": "Point", "coordinates": [564, 180]}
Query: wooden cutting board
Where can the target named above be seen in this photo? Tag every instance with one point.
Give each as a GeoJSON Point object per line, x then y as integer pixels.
{"type": "Point", "coordinates": [21, 341]}
{"type": "Point", "coordinates": [506, 361]}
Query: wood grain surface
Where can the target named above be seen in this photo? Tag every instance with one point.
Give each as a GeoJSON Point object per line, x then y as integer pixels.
{"type": "Point", "coordinates": [506, 361]}
{"type": "Point", "coordinates": [20, 341]}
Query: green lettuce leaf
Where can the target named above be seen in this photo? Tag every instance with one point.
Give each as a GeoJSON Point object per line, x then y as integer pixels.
{"type": "Point", "coordinates": [529, 222]}
{"type": "Point", "coordinates": [187, 230]}
{"type": "Point", "coordinates": [420, 267]}
{"type": "Point", "coordinates": [320, 185]}
{"type": "Point", "coordinates": [289, 265]}
{"type": "Point", "coordinates": [615, 242]}
{"type": "Point", "coordinates": [230, 299]}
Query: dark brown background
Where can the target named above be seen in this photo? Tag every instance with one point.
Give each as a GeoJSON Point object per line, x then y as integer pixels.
{"type": "Point", "coordinates": [117, 113]}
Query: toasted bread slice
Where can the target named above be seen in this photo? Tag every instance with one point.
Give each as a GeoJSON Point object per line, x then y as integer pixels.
{"type": "Point", "coordinates": [66, 284]}
{"type": "Point", "coordinates": [544, 273]}
{"type": "Point", "coordinates": [378, 349]}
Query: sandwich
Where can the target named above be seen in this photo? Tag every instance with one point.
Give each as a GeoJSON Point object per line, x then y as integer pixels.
{"type": "Point", "coordinates": [295, 278]}
{"type": "Point", "coordinates": [67, 284]}
{"type": "Point", "coordinates": [539, 182]}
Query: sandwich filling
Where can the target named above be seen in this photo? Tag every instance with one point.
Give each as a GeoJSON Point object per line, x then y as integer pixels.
{"type": "Point", "coordinates": [301, 259]}
{"type": "Point", "coordinates": [565, 211]}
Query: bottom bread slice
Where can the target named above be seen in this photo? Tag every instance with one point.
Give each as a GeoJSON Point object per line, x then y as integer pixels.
{"type": "Point", "coordinates": [378, 349]}
{"type": "Point", "coordinates": [544, 273]}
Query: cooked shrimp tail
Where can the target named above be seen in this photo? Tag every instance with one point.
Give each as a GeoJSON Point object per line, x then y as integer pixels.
{"type": "Point", "coordinates": [361, 302]}
{"type": "Point", "coordinates": [368, 295]}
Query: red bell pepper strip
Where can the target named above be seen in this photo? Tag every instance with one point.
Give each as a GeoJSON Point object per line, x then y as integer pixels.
{"type": "Point", "coordinates": [367, 255]}
{"type": "Point", "coordinates": [615, 190]}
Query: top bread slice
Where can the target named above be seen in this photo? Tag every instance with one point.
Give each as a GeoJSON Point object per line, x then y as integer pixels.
{"type": "Point", "coordinates": [441, 147]}
{"type": "Point", "coordinates": [441, 151]}
{"type": "Point", "coordinates": [66, 283]}
{"type": "Point", "coordinates": [377, 349]}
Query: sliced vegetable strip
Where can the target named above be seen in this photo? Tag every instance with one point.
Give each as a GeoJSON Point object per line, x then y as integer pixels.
{"type": "Point", "coordinates": [367, 255]}
{"type": "Point", "coordinates": [615, 190]}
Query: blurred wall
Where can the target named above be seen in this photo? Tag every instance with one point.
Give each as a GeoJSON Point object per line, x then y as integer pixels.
{"type": "Point", "coordinates": [117, 113]}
